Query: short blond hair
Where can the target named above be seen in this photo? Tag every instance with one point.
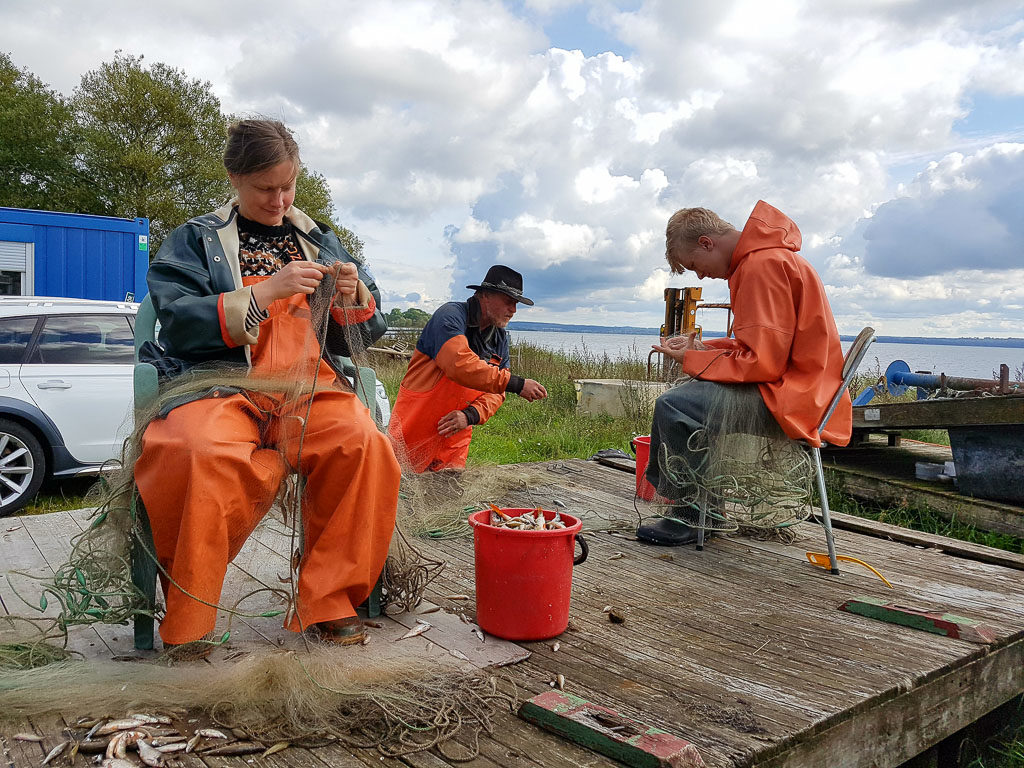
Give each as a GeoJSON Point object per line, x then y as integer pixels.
{"type": "Point", "coordinates": [685, 227]}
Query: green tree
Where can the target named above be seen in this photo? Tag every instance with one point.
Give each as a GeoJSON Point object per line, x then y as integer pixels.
{"type": "Point", "coordinates": [409, 318]}
{"type": "Point", "coordinates": [151, 141]}
{"type": "Point", "coordinates": [37, 145]}
{"type": "Point", "coordinates": [313, 197]}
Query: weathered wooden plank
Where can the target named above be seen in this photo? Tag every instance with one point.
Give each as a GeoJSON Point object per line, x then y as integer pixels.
{"type": "Point", "coordinates": [895, 731]}
{"type": "Point", "coordinates": [955, 547]}
{"type": "Point", "coordinates": [52, 534]}
{"type": "Point", "coordinates": [941, 413]}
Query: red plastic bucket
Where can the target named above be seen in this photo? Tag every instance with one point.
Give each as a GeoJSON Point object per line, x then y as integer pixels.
{"type": "Point", "coordinates": [642, 449]}
{"type": "Point", "coordinates": [524, 578]}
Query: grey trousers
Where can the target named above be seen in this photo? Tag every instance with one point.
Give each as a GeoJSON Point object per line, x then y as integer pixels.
{"type": "Point", "coordinates": [680, 412]}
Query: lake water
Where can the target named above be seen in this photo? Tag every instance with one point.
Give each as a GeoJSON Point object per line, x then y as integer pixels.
{"type": "Point", "coordinates": [973, 362]}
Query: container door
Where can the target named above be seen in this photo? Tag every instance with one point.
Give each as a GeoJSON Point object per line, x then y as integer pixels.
{"type": "Point", "coordinates": [80, 375]}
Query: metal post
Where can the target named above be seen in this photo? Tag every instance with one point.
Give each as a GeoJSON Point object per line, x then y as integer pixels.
{"type": "Point", "coordinates": [826, 518]}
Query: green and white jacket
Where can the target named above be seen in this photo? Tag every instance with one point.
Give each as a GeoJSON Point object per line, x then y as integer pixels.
{"type": "Point", "coordinates": [196, 287]}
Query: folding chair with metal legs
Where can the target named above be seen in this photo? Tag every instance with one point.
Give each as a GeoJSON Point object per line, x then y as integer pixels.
{"type": "Point", "coordinates": [851, 362]}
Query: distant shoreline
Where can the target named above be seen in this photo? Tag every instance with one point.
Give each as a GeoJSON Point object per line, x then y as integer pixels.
{"type": "Point", "coordinates": [985, 341]}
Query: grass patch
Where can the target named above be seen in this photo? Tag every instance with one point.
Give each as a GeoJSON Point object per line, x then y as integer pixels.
{"type": "Point", "coordinates": [60, 495]}
{"type": "Point", "coordinates": [552, 428]}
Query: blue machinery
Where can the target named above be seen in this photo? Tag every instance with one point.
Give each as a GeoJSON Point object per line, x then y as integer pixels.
{"type": "Point", "coordinates": [985, 424]}
{"type": "Point", "coordinates": [898, 378]}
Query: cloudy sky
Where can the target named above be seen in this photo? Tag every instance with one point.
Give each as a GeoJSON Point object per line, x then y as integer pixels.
{"type": "Point", "coordinates": [558, 136]}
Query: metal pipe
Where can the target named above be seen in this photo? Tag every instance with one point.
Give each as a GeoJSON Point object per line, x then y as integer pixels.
{"type": "Point", "coordinates": [940, 381]}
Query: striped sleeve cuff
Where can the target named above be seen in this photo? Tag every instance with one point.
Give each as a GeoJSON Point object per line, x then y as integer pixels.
{"type": "Point", "coordinates": [255, 315]}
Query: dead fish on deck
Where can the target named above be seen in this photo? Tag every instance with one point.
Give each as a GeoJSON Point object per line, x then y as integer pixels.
{"type": "Point", "coordinates": [117, 762]}
{"type": "Point", "coordinates": [172, 748]}
{"type": "Point", "coordinates": [113, 726]}
{"type": "Point", "coordinates": [27, 737]}
{"type": "Point", "coordinates": [151, 756]}
{"type": "Point", "coordinates": [273, 750]}
{"type": "Point", "coordinates": [211, 733]}
{"type": "Point", "coordinates": [558, 682]}
{"type": "Point", "coordinates": [119, 742]}
{"type": "Point", "coordinates": [150, 719]}
{"type": "Point", "coordinates": [416, 631]}
{"type": "Point", "coordinates": [55, 751]}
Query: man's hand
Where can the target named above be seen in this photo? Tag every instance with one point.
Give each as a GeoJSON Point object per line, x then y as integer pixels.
{"type": "Point", "coordinates": [455, 421]}
{"type": "Point", "coordinates": [533, 390]}
{"type": "Point", "coordinates": [294, 277]}
{"type": "Point", "coordinates": [677, 346]}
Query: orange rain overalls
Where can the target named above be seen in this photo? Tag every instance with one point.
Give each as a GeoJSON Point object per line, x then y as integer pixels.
{"type": "Point", "coordinates": [456, 366]}
{"type": "Point", "coordinates": [211, 469]}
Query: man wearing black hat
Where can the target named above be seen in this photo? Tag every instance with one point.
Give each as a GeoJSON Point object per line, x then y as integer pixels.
{"type": "Point", "coordinates": [459, 375]}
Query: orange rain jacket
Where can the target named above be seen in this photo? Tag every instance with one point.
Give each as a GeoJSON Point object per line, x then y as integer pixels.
{"type": "Point", "coordinates": [457, 366]}
{"type": "Point", "coordinates": [784, 336]}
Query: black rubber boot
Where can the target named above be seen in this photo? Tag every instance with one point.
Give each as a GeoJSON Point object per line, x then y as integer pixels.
{"type": "Point", "coordinates": [666, 533]}
{"type": "Point", "coordinates": [671, 533]}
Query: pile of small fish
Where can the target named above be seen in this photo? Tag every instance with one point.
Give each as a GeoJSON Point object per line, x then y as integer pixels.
{"type": "Point", "coordinates": [532, 520]}
{"type": "Point", "coordinates": [156, 738]}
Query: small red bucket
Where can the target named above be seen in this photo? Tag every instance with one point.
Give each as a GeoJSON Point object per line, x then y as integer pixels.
{"type": "Point", "coordinates": [524, 578]}
{"type": "Point", "coordinates": [642, 449]}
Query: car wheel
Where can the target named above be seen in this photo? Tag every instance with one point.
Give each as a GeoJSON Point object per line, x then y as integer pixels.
{"type": "Point", "coordinates": [22, 466]}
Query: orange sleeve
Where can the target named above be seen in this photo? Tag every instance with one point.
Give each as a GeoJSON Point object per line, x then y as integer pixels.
{"type": "Point", "coordinates": [763, 333]}
{"type": "Point", "coordinates": [726, 342]}
{"type": "Point", "coordinates": [360, 310]}
{"type": "Point", "coordinates": [461, 365]}
{"type": "Point", "coordinates": [487, 405]}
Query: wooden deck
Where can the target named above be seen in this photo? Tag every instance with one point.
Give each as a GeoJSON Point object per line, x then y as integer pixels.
{"type": "Point", "coordinates": [740, 649]}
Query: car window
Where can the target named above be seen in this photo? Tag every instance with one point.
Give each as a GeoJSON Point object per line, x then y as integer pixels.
{"type": "Point", "coordinates": [85, 340]}
{"type": "Point", "coordinates": [15, 334]}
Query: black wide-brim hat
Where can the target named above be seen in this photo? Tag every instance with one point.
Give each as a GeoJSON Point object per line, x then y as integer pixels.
{"type": "Point", "coordinates": [504, 280]}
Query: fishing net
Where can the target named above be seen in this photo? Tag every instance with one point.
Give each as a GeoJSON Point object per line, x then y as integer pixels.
{"type": "Point", "coordinates": [399, 705]}
{"type": "Point", "coordinates": [740, 467]}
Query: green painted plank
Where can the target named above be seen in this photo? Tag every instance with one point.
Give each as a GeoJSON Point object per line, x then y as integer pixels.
{"type": "Point", "coordinates": [606, 731]}
{"type": "Point", "coordinates": [936, 622]}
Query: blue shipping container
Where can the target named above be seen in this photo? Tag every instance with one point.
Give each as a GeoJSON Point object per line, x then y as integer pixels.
{"type": "Point", "coordinates": [44, 253]}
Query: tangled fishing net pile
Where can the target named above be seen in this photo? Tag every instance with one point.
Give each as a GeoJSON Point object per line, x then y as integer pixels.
{"type": "Point", "coordinates": [742, 468]}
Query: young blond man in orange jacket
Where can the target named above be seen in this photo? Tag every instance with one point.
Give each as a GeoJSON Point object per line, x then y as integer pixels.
{"type": "Point", "coordinates": [785, 343]}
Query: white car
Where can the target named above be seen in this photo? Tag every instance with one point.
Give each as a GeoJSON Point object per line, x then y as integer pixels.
{"type": "Point", "coordinates": [66, 390]}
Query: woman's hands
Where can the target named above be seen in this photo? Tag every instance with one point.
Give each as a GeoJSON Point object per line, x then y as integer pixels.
{"type": "Point", "coordinates": [304, 277]}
